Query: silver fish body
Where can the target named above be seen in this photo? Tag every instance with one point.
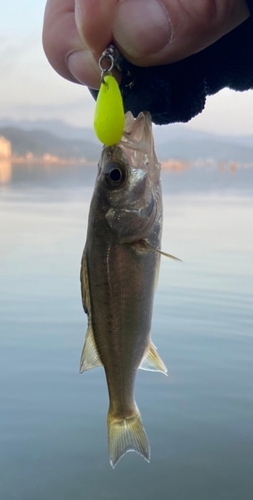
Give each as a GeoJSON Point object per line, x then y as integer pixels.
{"type": "Point", "coordinates": [119, 272]}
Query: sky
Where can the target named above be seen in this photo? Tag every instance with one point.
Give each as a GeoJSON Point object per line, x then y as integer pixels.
{"type": "Point", "coordinates": [31, 90]}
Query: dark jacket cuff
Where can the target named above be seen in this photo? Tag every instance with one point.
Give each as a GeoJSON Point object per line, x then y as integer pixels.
{"type": "Point", "coordinates": [177, 92]}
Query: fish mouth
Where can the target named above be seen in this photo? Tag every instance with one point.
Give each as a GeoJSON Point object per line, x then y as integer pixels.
{"type": "Point", "coordinates": [137, 133]}
{"type": "Point", "coordinates": [136, 147]}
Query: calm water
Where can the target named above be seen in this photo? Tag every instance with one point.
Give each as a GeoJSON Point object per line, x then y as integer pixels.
{"type": "Point", "coordinates": [53, 442]}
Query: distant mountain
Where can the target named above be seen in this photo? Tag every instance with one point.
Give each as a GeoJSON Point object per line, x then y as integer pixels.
{"type": "Point", "coordinates": [56, 127]}
{"type": "Point", "coordinates": [187, 144]}
{"type": "Point", "coordinates": [173, 141]}
{"type": "Point", "coordinates": [40, 142]}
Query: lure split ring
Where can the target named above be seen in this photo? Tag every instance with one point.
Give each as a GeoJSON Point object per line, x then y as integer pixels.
{"type": "Point", "coordinates": [109, 112]}
{"type": "Point", "coordinates": [108, 58]}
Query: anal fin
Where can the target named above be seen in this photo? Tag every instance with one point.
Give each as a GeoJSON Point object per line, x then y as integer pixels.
{"type": "Point", "coordinates": [152, 361]}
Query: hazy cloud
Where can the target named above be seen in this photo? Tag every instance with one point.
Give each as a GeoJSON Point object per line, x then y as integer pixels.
{"type": "Point", "coordinates": [227, 112]}
{"type": "Point", "coordinates": [79, 113]}
{"type": "Point", "coordinates": [30, 89]}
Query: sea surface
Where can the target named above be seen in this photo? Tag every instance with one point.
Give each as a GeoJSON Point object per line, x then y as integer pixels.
{"type": "Point", "coordinates": [199, 419]}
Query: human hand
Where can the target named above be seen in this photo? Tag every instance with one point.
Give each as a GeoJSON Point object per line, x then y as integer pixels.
{"type": "Point", "coordinates": [147, 32]}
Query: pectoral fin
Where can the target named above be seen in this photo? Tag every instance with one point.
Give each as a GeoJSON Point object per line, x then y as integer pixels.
{"type": "Point", "coordinates": [152, 361]}
{"type": "Point", "coordinates": [153, 249]}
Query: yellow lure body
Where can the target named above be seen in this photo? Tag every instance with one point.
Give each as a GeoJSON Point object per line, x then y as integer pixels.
{"type": "Point", "coordinates": [109, 113]}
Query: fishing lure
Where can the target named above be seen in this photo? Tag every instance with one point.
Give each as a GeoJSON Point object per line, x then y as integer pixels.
{"type": "Point", "coordinates": [109, 111]}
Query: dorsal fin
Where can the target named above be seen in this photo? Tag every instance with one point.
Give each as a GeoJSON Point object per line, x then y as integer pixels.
{"type": "Point", "coordinates": [90, 357]}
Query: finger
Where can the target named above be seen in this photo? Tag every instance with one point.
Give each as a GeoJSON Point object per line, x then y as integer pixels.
{"type": "Point", "coordinates": [94, 24]}
{"type": "Point", "coordinates": [152, 32]}
{"type": "Point", "coordinates": [94, 19]}
{"type": "Point", "coordinates": [65, 49]}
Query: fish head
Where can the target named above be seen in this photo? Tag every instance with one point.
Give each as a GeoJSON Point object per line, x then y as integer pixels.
{"type": "Point", "coordinates": [129, 181]}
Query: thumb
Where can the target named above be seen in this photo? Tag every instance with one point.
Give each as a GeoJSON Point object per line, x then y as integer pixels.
{"type": "Point", "coordinates": [152, 32]}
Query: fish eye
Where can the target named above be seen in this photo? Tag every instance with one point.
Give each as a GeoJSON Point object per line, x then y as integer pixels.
{"type": "Point", "coordinates": [115, 175]}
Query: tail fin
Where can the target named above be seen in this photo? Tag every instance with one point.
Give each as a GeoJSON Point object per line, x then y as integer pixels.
{"type": "Point", "coordinates": [126, 435]}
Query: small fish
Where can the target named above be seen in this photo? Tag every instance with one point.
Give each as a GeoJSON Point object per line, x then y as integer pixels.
{"type": "Point", "coordinates": [119, 272]}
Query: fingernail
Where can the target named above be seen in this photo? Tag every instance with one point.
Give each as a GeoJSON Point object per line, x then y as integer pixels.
{"type": "Point", "coordinates": [142, 27]}
{"type": "Point", "coordinates": [84, 68]}
{"type": "Point", "coordinates": [78, 21]}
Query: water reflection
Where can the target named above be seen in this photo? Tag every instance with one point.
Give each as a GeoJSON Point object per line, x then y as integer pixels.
{"type": "Point", "coordinates": [199, 419]}
{"type": "Point", "coordinates": [177, 177]}
{"type": "Point", "coordinates": [5, 171]}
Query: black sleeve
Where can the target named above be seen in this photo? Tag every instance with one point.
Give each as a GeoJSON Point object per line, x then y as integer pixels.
{"type": "Point", "coordinates": [177, 92]}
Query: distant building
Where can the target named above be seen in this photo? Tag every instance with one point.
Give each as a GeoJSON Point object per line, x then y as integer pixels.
{"type": "Point", "coordinates": [5, 149]}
